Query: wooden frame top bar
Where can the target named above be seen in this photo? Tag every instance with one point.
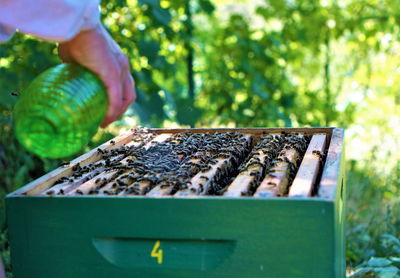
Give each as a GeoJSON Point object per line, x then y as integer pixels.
{"type": "Point", "coordinates": [329, 178]}
{"type": "Point", "coordinates": [254, 130]}
{"type": "Point", "coordinates": [328, 185]}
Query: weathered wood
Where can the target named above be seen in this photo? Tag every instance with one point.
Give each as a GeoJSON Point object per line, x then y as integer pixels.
{"type": "Point", "coordinates": [304, 181]}
{"type": "Point", "coordinates": [328, 183]}
{"type": "Point", "coordinates": [202, 181]}
{"type": "Point", "coordinates": [252, 131]}
{"type": "Point", "coordinates": [193, 164]}
{"type": "Point", "coordinates": [87, 186]}
{"type": "Point", "coordinates": [277, 183]}
{"type": "Point", "coordinates": [251, 174]}
{"type": "Point", "coordinates": [44, 182]}
{"type": "Point", "coordinates": [159, 190]}
{"type": "Point", "coordinates": [68, 186]}
{"type": "Point", "coordinates": [330, 174]}
{"type": "Point", "coordinates": [142, 187]}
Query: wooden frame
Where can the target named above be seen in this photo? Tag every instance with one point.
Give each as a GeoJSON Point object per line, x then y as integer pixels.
{"type": "Point", "coordinates": [329, 176]}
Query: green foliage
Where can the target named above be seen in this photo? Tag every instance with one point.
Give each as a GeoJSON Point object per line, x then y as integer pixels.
{"type": "Point", "coordinates": [373, 222]}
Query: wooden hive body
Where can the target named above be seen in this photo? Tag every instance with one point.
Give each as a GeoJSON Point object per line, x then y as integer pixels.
{"type": "Point", "coordinates": [201, 236]}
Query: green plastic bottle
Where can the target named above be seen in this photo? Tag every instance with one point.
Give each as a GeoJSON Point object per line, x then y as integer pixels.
{"type": "Point", "coordinates": [60, 111]}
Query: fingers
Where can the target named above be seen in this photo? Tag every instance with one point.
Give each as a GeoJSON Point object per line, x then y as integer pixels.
{"type": "Point", "coordinates": [111, 80]}
{"type": "Point", "coordinates": [63, 52]}
{"type": "Point", "coordinates": [120, 88]}
{"type": "Point", "coordinates": [96, 50]}
{"type": "Point", "coordinates": [129, 94]}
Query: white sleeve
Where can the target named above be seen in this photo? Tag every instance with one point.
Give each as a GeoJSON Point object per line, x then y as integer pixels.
{"type": "Point", "coordinates": [50, 20]}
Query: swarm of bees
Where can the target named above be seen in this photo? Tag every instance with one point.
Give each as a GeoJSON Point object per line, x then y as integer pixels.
{"type": "Point", "coordinates": [185, 163]}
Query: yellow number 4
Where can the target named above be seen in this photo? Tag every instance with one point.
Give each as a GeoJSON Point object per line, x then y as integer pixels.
{"type": "Point", "coordinates": [157, 252]}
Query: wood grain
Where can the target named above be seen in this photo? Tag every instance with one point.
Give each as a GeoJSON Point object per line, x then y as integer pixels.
{"type": "Point", "coordinates": [159, 190]}
{"type": "Point", "coordinates": [334, 158]}
{"type": "Point", "coordinates": [201, 183]}
{"type": "Point", "coordinates": [46, 181]}
{"type": "Point", "coordinates": [304, 181]}
{"type": "Point", "coordinates": [277, 183]}
{"type": "Point", "coordinates": [87, 186]}
{"type": "Point", "coordinates": [328, 183]}
{"type": "Point", "coordinates": [68, 186]}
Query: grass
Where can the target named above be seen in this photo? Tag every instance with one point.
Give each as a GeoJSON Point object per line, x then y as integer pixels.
{"type": "Point", "coordinates": [373, 222]}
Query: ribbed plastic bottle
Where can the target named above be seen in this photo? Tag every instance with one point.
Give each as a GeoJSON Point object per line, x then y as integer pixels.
{"type": "Point", "coordinates": [60, 111]}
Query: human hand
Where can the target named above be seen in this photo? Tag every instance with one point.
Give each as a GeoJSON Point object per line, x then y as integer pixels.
{"type": "Point", "coordinates": [96, 50]}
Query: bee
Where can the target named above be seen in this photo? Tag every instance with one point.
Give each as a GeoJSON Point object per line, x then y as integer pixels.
{"type": "Point", "coordinates": [100, 151]}
{"type": "Point", "coordinates": [112, 142]}
{"type": "Point", "coordinates": [146, 190]}
{"type": "Point", "coordinates": [244, 193]}
{"type": "Point", "coordinates": [58, 181]}
{"type": "Point", "coordinates": [201, 187]}
{"type": "Point", "coordinates": [164, 185]}
{"type": "Point", "coordinates": [317, 154]}
{"type": "Point", "coordinates": [206, 168]}
{"type": "Point", "coordinates": [253, 173]}
{"type": "Point", "coordinates": [64, 164]}
{"type": "Point", "coordinates": [255, 163]}
{"type": "Point", "coordinates": [204, 177]}
{"type": "Point", "coordinates": [76, 167]}
{"type": "Point", "coordinates": [93, 191]}
{"type": "Point", "coordinates": [50, 192]}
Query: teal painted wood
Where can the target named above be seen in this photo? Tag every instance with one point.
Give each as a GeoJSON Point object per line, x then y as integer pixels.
{"type": "Point", "coordinates": [86, 236]}
{"type": "Point", "coordinates": [340, 217]}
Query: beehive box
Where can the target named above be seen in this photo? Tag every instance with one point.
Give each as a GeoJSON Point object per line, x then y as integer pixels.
{"type": "Point", "coordinates": [261, 202]}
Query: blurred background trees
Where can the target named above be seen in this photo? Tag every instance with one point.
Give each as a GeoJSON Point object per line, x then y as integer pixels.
{"type": "Point", "coordinates": [246, 64]}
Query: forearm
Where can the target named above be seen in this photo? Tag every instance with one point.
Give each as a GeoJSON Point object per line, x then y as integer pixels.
{"type": "Point", "coordinates": [50, 20]}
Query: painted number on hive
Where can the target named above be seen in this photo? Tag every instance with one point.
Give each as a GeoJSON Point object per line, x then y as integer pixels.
{"type": "Point", "coordinates": [157, 252]}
